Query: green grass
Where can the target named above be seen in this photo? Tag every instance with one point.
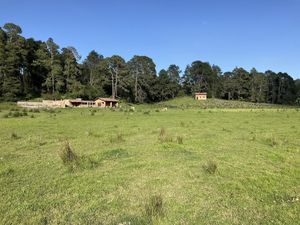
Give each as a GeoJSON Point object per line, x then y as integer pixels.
{"type": "Point", "coordinates": [188, 165]}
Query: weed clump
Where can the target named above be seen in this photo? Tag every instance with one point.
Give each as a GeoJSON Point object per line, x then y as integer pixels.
{"type": "Point", "coordinates": [67, 154]}
{"type": "Point", "coordinates": [180, 140]}
{"type": "Point", "coordinates": [74, 162]}
{"type": "Point", "coordinates": [117, 139]}
{"type": "Point", "coordinates": [162, 132]}
{"type": "Point", "coordinates": [154, 207]}
{"type": "Point", "coordinates": [210, 167]}
{"type": "Point", "coordinates": [163, 136]}
{"type": "Point", "coordinates": [14, 136]}
{"type": "Point", "coordinates": [272, 141]}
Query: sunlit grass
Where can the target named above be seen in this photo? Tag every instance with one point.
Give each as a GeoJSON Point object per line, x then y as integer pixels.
{"type": "Point", "coordinates": [187, 165]}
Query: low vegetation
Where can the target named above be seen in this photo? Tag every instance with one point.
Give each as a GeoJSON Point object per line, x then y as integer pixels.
{"type": "Point", "coordinates": [192, 164]}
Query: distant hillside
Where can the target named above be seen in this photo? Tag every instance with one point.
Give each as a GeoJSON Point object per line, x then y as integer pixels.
{"type": "Point", "coordinates": [212, 103]}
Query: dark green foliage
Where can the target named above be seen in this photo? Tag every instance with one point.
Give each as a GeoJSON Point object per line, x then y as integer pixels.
{"type": "Point", "coordinates": [30, 68]}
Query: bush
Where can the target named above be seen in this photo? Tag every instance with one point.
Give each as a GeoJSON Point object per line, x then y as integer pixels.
{"type": "Point", "coordinates": [16, 114]}
{"type": "Point", "coordinates": [154, 206]}
{"type": "Point", "coordinates": [210, 167]}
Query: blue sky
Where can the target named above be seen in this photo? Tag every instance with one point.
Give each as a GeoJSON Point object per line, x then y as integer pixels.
{"type": "Point", "coordinates": [264, 34]}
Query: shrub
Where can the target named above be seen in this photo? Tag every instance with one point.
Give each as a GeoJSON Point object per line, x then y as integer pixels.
{"type": "Point", "coordinates": [210, 167]}
{"type": "Point", "coordinates": [16, 114]}
{"type": "Point", "coordinates": [147, 112]}
{"type": "Point", "coordinates": [5, 115]}
{"type": "Point", "coordinates": [154, 206]}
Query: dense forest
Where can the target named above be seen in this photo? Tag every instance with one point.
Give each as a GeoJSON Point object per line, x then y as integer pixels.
{"type": "Point", "coordinates": [31, 69]}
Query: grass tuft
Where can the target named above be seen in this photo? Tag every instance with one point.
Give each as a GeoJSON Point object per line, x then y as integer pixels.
{"type": "Point", "coordinates": [154, 207]}
{"type": "Point", "coordinates": [210, 167]}
{"type": "Point", "coordinates": [67, 154]}
{"type": "Point", "coordinates": [119, 138]}
{"type": "Point", "coordinates": [14, 136]}
{"type": "Point", "coordinates": [162, 132]}
{"type": "Point", "coordinates": [180, 140]}
{"type": "Point", "coordinates": [272, 141]}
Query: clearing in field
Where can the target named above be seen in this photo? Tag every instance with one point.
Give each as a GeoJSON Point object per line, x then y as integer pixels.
{"type": "Point", "coordinates": [199, 162]}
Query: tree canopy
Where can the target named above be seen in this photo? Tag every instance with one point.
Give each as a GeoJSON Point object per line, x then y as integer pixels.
{"type": "Point", "coordinates": [32, 68]}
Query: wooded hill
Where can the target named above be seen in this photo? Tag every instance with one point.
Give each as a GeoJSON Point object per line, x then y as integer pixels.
{"type": "Point", "coordinates": [31, 68]}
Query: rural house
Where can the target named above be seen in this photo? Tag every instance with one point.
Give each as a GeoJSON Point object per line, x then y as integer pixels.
{"type": "Point", "coordinates": [200, 96]}
{"type": "Point", "coordinates": [106, 102]}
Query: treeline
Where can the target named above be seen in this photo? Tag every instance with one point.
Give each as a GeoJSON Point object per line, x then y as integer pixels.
{"type": "Point", "coordinates": [30, 69]}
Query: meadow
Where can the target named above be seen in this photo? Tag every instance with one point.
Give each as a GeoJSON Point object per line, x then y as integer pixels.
{"type": "Point", "coordinates": [212, 162]}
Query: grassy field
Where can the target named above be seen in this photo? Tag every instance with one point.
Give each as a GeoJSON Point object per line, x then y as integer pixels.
{"type": "Point", "coordinates": [213, 162]}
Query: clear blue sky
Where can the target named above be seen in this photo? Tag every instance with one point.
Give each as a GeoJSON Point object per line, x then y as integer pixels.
{"type": "Point", "coordinates": [256, 33]}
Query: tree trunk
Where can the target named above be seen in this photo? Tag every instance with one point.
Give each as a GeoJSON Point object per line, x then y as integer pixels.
{"type": "Point", "coordinates": [135, 88]}
{"type": "Point", "coordinates": [112, 86]}
{"type": "Point", "coordinates": [116, 85]}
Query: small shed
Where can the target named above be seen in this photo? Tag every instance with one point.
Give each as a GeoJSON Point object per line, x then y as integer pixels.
{"type": "Point", "coordinates": [106, 102]}
{"type": "Point", "coordinates": [200, 96]}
